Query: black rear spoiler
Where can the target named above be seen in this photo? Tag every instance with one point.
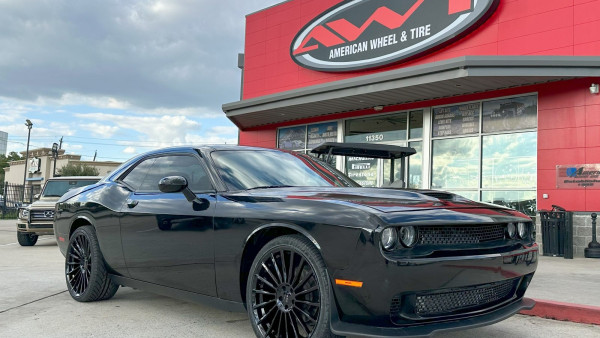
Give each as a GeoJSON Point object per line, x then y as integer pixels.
{"type": "Point", "coordinates": [366, 150]}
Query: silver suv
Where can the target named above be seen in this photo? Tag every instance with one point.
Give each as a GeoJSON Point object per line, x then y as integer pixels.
{"type": "Point", "coordinates": [37, 218]}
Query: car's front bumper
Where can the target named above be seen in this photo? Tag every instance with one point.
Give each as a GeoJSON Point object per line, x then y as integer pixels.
{"type": "Point", "coordinates": [38, 228]}
{"type": "Point", "coordinates": [390, 302]}
{"type": "Point", "coordinates": [341, 328]}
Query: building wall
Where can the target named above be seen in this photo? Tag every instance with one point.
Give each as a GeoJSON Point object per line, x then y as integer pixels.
{"type": "Point", "coordinates": [518, 27]}
{"type": "Point", "coordinates": [568, 115]}
{"type": "Point", "coordinates": [568, 133]}
{"type": "Point", "coordinates": [14, 173]}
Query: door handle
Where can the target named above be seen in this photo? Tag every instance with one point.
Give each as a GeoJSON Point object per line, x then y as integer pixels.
{"type": "Point", "coordinates": [132, 203]}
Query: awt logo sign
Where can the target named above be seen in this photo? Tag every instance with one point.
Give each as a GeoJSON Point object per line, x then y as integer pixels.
{"type": "Point", "coordinates": [361, 34]}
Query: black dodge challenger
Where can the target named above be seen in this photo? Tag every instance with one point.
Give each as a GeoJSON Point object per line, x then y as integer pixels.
{"type": "Point", "coordinates": [295, 243]}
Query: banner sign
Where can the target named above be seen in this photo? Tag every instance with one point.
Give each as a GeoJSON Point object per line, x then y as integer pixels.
{"type": "Point", "coordinates": [293, 138]}
{"type": "Point", "coordinates": [362, 34]}
{"type": "Point", "coordinates": [34, 165]}
{"type": "Point", "coordinates": [320, 133]}
{"type": "Point", "coordinates": [510, 114]}
{"type": "Point", "coordinates": [578, 176]}
{"type": "Point", "coordinates": [456, 120]}
{"type": "Point", "coordinates": [362, 170]}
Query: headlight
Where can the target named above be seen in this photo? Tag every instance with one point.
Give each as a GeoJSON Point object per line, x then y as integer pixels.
{"type": "Point", "coordinates": [23, 213]}
{"type": "Point", "coordinates": [511, 230]}
{"type": "Point", "coordinates": [389, 237]}
{"type": "Point", "coordinates": [408, 236]}
{"type": "Point", "coordinates": [522, 229]}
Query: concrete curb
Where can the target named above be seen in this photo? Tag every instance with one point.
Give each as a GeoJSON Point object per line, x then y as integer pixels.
{"type": "Point", "coordinates": [565, 311]}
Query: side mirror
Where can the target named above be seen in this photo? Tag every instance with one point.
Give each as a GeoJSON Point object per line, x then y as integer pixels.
{"type": "Point", "coordinates": [171, 184]}
{"type": "Point", "coordinates": [36, 196]}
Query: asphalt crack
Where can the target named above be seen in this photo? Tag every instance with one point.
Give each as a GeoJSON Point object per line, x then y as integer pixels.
{"type": "Point", "coordinates": [33, 301]}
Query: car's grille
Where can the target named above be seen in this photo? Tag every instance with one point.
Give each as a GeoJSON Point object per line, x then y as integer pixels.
{"type": "Point", "coordinates": [458, 301]}
{"type": "Point", "coordinates": [41, 214]}
{"type": "Point", "coordinates": [467, 234]}
{"type": "Point", "coordinates": [443, 303]}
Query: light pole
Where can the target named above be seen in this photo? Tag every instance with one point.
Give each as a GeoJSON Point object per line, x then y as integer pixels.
{"type": "Point", "coordinates": [55, 155]}
{"type": "Point", "coordinates": [29, 125]}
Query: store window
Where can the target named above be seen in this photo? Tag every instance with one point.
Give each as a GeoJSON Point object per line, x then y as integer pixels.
{"type": "Point", "coordinates": [400, 129]}
{"type": "Point", "coordinates": [487, 151]}
{"type": "Point", "coordinates": [305, 137]}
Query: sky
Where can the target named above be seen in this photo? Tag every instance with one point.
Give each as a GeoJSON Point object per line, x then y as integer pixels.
{"type": "Point", "coordinates": [120, 77]}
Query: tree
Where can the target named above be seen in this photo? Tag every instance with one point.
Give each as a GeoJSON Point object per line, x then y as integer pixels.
{"type": "Point", "coordinates": [77, 169]}
{"type": "Point", "coordinates": [4, 162]}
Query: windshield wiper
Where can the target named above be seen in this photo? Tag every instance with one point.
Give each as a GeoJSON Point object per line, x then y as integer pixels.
{"type": "Point", "coordinates": [270, 186]}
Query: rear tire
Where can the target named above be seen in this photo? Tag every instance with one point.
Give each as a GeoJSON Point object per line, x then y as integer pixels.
{"type": "Point", "coordinates": [85, 269]}
{"type": "Point", "coordinates": [26, 239]}
{"type": "Point", "coordinates": [287, 294]}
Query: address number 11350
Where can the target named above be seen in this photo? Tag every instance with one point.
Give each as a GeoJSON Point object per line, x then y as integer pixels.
{"type": "Point", "coordinates": [374, 138]}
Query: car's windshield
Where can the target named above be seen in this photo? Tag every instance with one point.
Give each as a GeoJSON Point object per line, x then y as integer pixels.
{"type": "Point", "coordinates": [59, 188]}
{"type": "Point", "coordinates": [248, 169]}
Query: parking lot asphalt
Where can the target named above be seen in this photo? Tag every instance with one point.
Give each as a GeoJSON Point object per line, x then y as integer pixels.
{"type": "Point", "coordinates": [34, 303]}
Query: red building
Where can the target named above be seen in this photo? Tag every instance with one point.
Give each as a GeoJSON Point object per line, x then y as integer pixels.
{"type": "Point", "coordinates": [499, 97]}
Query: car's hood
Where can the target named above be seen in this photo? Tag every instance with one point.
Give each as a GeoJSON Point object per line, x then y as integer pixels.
{"type": "Point", "coordinates": [77, 191]}
{"type": "Point", "coordinates": [44, 202]}
{"type": "Point", "coordinates": [379, 199]}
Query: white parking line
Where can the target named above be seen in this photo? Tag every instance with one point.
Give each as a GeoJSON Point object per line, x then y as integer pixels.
{"type": "Point", "coordinates": [41, 239]}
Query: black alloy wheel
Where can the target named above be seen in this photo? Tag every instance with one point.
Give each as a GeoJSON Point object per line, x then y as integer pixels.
{"type": "Point", "coordinates": [85, 271]}
{"type": "Point", "coordinates": [79, 264]}
{"type": "Point", "coordinates": [288, 290]}
{"type": "Point", "coordinates": [26, 239]}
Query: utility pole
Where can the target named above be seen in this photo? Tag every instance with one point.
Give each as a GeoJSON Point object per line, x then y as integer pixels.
{"type": "Point", "coordinates": [29, 125]}
{"type": "Point", "coordinates": [95, 153]}
{"type": "Point", "coordinates": [55, 155]}
{"type": "Point", "coordinates": [60, 145]}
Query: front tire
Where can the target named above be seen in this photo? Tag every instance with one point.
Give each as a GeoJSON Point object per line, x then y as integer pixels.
{"type": "Point", "coordinates": [288, 290]}
{"type": "Point", "coordinates": [85, 270]}
{"type": "Point", "coordinates": [26, 239]}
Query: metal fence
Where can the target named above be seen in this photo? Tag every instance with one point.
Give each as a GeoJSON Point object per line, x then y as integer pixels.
{"type": "Point", "coordinates": [12, 198]}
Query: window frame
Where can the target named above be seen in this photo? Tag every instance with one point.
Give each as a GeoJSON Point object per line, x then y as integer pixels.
{"type": "Point", "coordinates": [480, 135]}
{"type": "Point", "coordinates": [194, 155]}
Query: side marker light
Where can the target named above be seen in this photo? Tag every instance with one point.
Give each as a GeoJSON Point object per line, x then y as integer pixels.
{"type": "Point", "coordinates": [349, 283]}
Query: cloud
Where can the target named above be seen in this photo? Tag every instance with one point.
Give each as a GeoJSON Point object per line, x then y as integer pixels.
{"type": "Point", "coordinates": [224, 130]}
{"type": "Point", "coordinates": [212, 139]}
{"type": "Point", "coordinates": [12, 112]}
{"type": "Point", "coordinates": [100, 130]}
{"type": "Point", "coordinates": [163, 131]}
{"type": "Point", "coordinates": [139, 54]}
{"type": "Point", "coordinates": [71, 147]}
{"type": "Point", "coordinates": [129, 150]}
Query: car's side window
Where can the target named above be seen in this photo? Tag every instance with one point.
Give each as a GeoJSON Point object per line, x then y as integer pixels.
{"type": "Point", "coordinates": [137, 175]}
{"type": "Point", "coordinates": [174, 165]}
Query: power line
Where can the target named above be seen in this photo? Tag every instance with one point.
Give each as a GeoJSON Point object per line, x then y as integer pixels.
{"type": "Point", "coordinates": [131, 143]}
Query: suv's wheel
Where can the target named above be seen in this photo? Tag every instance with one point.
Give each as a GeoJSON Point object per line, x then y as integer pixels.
{"type": "Point", "coordinates": [288, 290]}
{"type": "Point", "coordinates": [26, 239]}
{"type": "Point", "coordinates": [85, 270]}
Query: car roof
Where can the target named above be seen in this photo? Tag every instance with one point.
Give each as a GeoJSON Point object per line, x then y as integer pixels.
{"type": "Point", "coordinates": [202, 148]}
{"type": "Point", "coordinates": [72, 178]}
{"type": "Point", "coordinates": [182, 149]}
